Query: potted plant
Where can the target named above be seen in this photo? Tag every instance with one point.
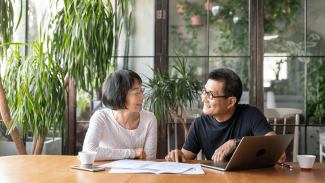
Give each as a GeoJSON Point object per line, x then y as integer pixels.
{"type": "Point", "coordinates": [83, 41]}
{"type": "Point", "coordinates": [196, 12]}
{"type": "Point", "coordinates": [181, 5]}
{"type": "Point", "coordinates": [169, 95]}
{"type": "Point", "coordinates": [208, 5]}
{"type": "Point", "coordinates": [7, 17]}
{"type": "Point", "coordinates": [34, 88]}
{"type": "Point", "coordinates": [77, 49]}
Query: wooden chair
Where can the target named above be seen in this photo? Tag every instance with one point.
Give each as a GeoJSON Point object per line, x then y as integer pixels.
{"type": "Point", "coordinates": [285, 113]}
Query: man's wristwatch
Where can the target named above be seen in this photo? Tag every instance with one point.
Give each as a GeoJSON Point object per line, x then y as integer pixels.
{"type": "Point", "coordinates": [237, 141]}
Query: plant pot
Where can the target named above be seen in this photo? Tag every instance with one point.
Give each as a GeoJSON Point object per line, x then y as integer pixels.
{"type": "Point", "coordinates": [197, 20]}
{"type": "Point", "coordinates": [180, 8]}
{"type": "Point", "coordinates": [50, 147]}
{"type": "Point", "coordinates": [206, 5]}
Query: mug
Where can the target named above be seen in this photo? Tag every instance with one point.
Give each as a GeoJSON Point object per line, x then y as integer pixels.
{"type": "Point", "coordinates": [306, 162]}
{"type": "Point", "coordinates": [87, 157]}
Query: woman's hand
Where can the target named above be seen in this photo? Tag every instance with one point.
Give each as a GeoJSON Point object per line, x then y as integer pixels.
{"type": "Point", "coordinates": [139, 153]}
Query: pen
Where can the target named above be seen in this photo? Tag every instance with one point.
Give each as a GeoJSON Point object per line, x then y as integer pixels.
{"type": "Point", "coordinates": [282, 164]}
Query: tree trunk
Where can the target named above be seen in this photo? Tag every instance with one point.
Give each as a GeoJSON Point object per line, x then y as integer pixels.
{"type": "Point", "coordinates": [173, 113]}
{"type": "Point", "coordinates": [35, 138]}
{"type": "Point", "coordinates": [7, 118]}
{"type": "Point", "coordinates": [39, 145]}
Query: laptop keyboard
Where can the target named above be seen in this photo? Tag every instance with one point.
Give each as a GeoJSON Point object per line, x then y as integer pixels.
{"type": "Point", "coordinates": [222, 164]}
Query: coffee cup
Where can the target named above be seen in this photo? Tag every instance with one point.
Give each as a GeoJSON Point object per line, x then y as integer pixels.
{"type": "Point", "coordinates": [87, 157]}
{"type": "Point", "coordinates": [306, 162]}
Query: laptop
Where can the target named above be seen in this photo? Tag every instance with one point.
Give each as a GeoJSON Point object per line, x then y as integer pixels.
{"type": "Point", "coordinates": [254, 152]}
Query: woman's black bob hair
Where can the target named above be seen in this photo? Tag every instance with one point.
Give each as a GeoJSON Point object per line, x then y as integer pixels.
{"type": "Point", "coordinates": [116, 87]}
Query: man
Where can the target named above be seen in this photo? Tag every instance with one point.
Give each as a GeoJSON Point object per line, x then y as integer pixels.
{"type": "Point", "coordinates": [225, 121]}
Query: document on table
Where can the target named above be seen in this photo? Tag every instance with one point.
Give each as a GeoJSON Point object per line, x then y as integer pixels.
{"type": "Point", "coordinates": [138, 166]}
{"type": "Point", "coordinates": [170, 167]}
{"type": "Point", "coordinates": [197, 170]}
{"type": "Point", "coordinates": [125, 163]}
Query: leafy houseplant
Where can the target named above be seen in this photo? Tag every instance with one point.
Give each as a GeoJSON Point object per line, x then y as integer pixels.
{"type": "Point", "coordinates": [169, 95]}
{"type": "Point", "coordinates": [35, 92]}
{"type": "Point", "coordinates": [83, 41]}
{"type": "Point", "coordinates": [6, 32]}
{"type": "Point", "coordinates": [315, 91]}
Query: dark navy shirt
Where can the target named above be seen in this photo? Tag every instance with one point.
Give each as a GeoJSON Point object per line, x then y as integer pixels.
{"type": "Point", "coordinates": [208, 134]}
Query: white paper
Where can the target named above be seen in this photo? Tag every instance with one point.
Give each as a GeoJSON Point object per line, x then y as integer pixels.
{"type": "Point", "coordinates": [171, 167]}
{"type": "Point", "coordinates": [138, 166]}
{"type": "Point", "coordinates": [197, 170]}
{"type": "Point", "coordinates": [132, 164]}
{"type": "Point", "coordinates": [128, 170]}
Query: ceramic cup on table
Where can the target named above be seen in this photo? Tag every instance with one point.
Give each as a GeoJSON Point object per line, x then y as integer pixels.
{"type": "Point", "coordinates": [87, 158]}
{"type": "Point", "coordinates": [306, 162]}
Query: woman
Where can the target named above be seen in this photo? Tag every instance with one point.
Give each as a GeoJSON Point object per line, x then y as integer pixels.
{"type": "Point", "coordinates": [122, 130]}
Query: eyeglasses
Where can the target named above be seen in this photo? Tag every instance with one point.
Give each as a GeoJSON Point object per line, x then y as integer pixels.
{"type": "Point", "coordinates": [142, 90]}
{"type": "Point", "coordinates": [210, 95]}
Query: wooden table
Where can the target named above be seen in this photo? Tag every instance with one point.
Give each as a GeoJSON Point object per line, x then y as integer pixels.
{"type": "Point", "coordinates": [49, 168]}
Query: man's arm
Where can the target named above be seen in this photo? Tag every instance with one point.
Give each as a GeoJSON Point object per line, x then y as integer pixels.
{"type": "Point", "coordinates": [283, 156]}
{"type": "Point", "coordinates": [180, 155]}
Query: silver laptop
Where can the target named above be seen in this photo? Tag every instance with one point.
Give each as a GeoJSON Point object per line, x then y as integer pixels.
{"type": "Point", "coordinates": [254, 152]}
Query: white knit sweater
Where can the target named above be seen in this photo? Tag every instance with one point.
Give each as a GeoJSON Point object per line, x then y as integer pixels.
{"type": "Point", "coordinates": [111, 141]}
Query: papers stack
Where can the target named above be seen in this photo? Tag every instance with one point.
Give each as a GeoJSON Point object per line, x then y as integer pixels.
{"type": "Point", "coordinates": [137, 166]}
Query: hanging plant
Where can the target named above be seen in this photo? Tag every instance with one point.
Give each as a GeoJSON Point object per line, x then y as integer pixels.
{"type": "Point", "coordinates": [181, 6]}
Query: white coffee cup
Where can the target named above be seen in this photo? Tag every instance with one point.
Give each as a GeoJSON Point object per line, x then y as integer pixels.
{"type": "Point", "coordinates": [87, 157]}
{"type": "Point", "coordinates": [306, 162]}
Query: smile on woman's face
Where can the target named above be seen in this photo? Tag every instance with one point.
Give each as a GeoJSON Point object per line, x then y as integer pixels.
{"type": "Point", "coordinates": [135, 97]}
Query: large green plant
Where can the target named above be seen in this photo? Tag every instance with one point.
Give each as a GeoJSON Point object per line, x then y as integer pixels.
{"type": "Point", "coordinates": [83, 40]}
{"type": "Point", "coordinates": [7, 23]}
{"type": "Point", "coordinates": [6, 33]}
{"type": "Point", "coordinates": [315, 91]}
{"type": "Point", "coordinates": [35, 92]}
{"type": "Point", "coordinates": [169, 94]}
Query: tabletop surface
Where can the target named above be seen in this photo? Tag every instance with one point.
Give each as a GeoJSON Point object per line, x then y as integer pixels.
{"type": "Point", "coordinates": [52, 168]}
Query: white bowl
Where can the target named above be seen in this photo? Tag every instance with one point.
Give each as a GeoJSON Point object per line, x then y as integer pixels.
{"type": "Point", "coordinates": [306, 162]}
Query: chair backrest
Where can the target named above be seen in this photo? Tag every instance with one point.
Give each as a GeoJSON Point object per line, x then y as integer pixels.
{"type": "Point", "coordinates": [280, 112]}
{"type": "Point", "coordinates": [285, 113]}
{"type": "Point", "coordinates": [190, 111]}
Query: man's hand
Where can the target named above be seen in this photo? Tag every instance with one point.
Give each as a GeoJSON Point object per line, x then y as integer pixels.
{"type": "Point", "coordinates": [221, 153]}
{"type": "Point", "coordinates": [139, 153]}
{"type": "Point", "coordinates": [175, 156]}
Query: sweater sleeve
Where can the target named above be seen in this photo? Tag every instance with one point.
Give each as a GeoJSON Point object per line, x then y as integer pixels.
{"type": "Point", "coordinates": [150, 146]}
{"type": "Point", "coordinates": [93, 137]}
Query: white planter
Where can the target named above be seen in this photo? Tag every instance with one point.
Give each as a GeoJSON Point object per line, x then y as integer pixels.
{"type": "Point", "coordinates": [50, 147]}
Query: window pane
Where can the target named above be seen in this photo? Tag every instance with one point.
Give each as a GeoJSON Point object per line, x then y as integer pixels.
{"type": "Point", "coordinates": [284, 82]}
{"type": "Point", "coordinates": [315, 90]}
{"type": "Point", "coordinates": [284, 27]}
{"type": "Point", "coordinates": [188, 27]}
{"type": "Point", "coordinates": [201, 67]}
{"type": "Point", "coordinates": [141, 32]}
{"type": "Point", "coordinates": [315, 28]}
{"type": "Point", "coordinates": [229, 28]}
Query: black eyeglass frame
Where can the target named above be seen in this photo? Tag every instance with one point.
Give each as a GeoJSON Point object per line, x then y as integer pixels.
{"type": "Point", "coordinates": [210, 95]}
